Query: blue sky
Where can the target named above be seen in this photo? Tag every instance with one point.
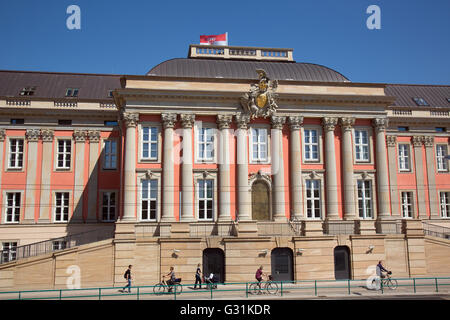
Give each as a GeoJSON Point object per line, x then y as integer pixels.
{"type": "Point", "coordinates": [130, 37]}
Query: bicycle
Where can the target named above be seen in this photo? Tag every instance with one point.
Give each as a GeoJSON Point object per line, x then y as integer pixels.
{"type": "Point", "coordinates": [260, 287]}
{"type": "Point", "coordinates": [387, 282]}
{"type": "Point", "coordinates": [163, 286]}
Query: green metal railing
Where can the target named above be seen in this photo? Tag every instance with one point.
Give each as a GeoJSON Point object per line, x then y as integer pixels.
{"type": "Point", "coordinates": [310, 287]}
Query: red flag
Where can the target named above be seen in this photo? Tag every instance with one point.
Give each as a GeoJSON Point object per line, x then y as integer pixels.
{"type": "Point", "coordinates": [218, 40]}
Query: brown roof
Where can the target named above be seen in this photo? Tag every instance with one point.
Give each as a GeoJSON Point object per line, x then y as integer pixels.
{"type": "Point", "coordinates": [434, 95]}
{"type": "Point", "coordinates": [54, 85]}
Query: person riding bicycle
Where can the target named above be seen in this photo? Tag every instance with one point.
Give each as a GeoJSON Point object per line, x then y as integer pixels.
{"type": "Point", "coordinates": [380, 275]}
{"type": "Point", "coordinates": [259, 275]}
{"type": "Point", "coordinates": [172, 278]}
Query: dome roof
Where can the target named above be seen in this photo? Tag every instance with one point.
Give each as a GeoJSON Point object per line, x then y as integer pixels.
{"type": "Point", "coordinates": [238, 69]}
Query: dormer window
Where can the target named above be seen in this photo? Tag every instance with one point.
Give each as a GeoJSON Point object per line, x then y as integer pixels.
{"type": "Point", "coordinates": [27, 91]}
{"type": "Point", "coordinates": [72, 92]}
{"type": "Point", "coordinates": [420, 101]}
{"type": "Point", "coordinates": [110, 93]}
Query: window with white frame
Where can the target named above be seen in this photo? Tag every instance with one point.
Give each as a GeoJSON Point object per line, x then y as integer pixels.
{"type": "Point", "coordinates": [444, 199]}
{"type": "Point", "coordinates": [110, 154]}
{"type": "Point", "coordinates": [61, 206]}
{"type": "Point", "coordinates": [16, 153]}
{"type": "Point", "coordinates": [441, 154]}
{"type": "Point", "coordinates": [64, 152]}
{"type": "Point", "coordinates": [311, 143]}
{"type": "Point", "coordinates": [407, 204]}
{"type": "Point", "coordinates": [403, 157]}
{"type": "Point", "coordinates": [259, 144]}
{"type": "Point", "coordinates": [59, 245]}
{"type": "Point", "coordinates": [361, 145]}
{"type": "Point", "coordinates": [365, 199]}
{"type": "Point", "coordinates": [205, 204]}
{"type": "Point", "coordinates": [205, 144]}
{"type": "Point", "coordinates": [12, 207]}
{"type": "Point", "coordinates": [313, 199]}
{"type": "Point", "coordinates": [9, 250]}
{"type": "Point", "coordinates": [149, 199]}
{"type": "Point", "coordinates": [109, 206]}
{"type": "Point", "coordinates": [149, 143]}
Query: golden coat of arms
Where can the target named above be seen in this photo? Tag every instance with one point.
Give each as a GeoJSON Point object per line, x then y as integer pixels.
{"type": "Point", "coordinates": [260, 100]}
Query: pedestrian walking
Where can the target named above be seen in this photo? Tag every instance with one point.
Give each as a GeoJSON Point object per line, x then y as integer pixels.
{"type": "Point", "coordinates": [128, 277]}
{"type": "Point", "coordinates": [198, 278]}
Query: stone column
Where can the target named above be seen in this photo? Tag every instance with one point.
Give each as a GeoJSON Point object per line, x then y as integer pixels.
{"type": "Point", "coordinates": [417, 143]}
{"type": "Point", "coordinates": [244, 199]}
{"type": "Point", "coordinates": [80, 139]}
{"type": "Point", "coordinates": [32, 136]}
{"type": "Point", "coordinates": [47, 151]}
{"type": "Point", "coordinates": [380, 125]}
{"type": "Point", "coordinates": [393, 160]}
{"type": "Point", "coordinates": [296, 167]}
{"type": "Point", "coordinates": [168, 186]}
{"type": "Point", "coordinates": [347, 161]}
{"type": "Point", "coordinates": [224, 122]}
{"type": "Point", "coordinates": [129, 199]}
{"type": "Point", "coordinates": [187, 179]}
{"type": "Point", "coordinates": [428, 141]}
{"type": "Point", "coordinates": [279, 208]}
{"type": "Point", "coordinates": [94, 162]}
{"type": "Point", "coordinates": [329, 125]}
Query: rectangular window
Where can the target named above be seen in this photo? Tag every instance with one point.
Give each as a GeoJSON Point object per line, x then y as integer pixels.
{"type": "Point", "coordinates": [365, 199]}
{"type": "Point", "coordinates": [9, 251]}
{"type": "Point", "coordinates": [259, 144]}
{"type": "Point", "coordinates": [27, 91]}
{"type": "Point", "coordinates": [72, 92]}
{"type": "Point", "coordinates": [12, 206]}
{"type": "Point", "coordinates": [403, 157]}
{"type": "Point", "coordinates": [445, 204]}
{"type": "Point", "coordinates": [205, 144]}
{"type": "Point", "coordinates": [149, 199]}
{"type": "Point", "coordinates": [64, 122]}
{"type": "Point", "coordinates": [407, 204]}
{"type": "Point", "coordinates": [205, 199]}
{"type": "Point", "coordinates": [61, 206]}
{"type": "Point", "coordinates": [441, 155]}
{"type": "Point", "coordinates": [64, 154]}
{"type": "Point", "coordinates": [311, 143]}
{"type": "Point", "coordinates": [15, 153]}
{"type": "Point", "coordinates": [59, 245]}
{"type": "Point", "coordinates": [111, 123]}
{"type": "Point", "coordinates": [109, 206]}
{"type": "Point", "coordinates": [110, 154]}
{"type": "Point", "coordinates": [17, 121]}
{"type": "Point", "coordinates": [361, 145]}
{"type": "Point", "coordinates": [150, 143]}
{"type": "Point", "coordinates": [313, 199]}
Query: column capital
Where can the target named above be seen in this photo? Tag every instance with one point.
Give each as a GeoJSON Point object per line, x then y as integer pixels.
{"type": "Point", "coordinates": [295, 122]}
{"type": "Point", "coordinates": [94, 136]}
{"type": "Point", "coordinates": [347, 123]}
{"type": "Point", "coordinates": [417, 141]}
{"type": "Point", "coordinates": [33, 135]}
{"type": "Point", "coordinates": [168, 120]}
{"type": "Point", "coordinates": [2, 134]}
{"type": "Point", "coordinates": [187, 120]}
{"type": "Point", "coordinates": [242, 120]}
{"type": "Point", "coordinates": [380, 124]}
{"type": "Point", "coordinates": [80, 135]}
{"type": "Point", "coordinates": [428, 141]}
{"type": "Point", "coordinates": [329, 123]}
{"type": "Point", "coordinates": [47, 135]}
{"type": "Point", "coordinates": [391, 141]}
{"type": "Point", "coordinates": [224, 121]}
{"type": "Point", "coordinates": [130, 119]}
{"type": "Point", "coordinates": [277, 122]}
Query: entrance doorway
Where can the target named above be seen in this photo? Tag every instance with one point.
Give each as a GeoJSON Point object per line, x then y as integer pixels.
{"type": "Point", "coordinates": [282, 264]}
{"type": "Point", "coordinates": [214, 262]}
{"type": "Point", "coordinates": [342, 263]}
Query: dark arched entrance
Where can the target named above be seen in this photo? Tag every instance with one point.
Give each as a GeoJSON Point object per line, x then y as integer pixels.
{"type": "Point", "coordinates": [342, 263]}
{"type": "Point", "coordinates": [260, 201]}
{"type": "Point", "coordinates": [214, 262]}
{"type": "Point", "coordinates": [282, 264]}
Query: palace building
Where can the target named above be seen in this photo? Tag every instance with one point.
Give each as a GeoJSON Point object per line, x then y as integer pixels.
{"type": "Point", "coordinates": [233, 157]}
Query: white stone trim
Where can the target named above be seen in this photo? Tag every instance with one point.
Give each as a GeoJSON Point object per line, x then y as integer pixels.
{"type": "Point", "coordinates": [140, 126]}
{"type": "Point", "coordinates": [413, 204]}
{"type": "Point", "coordinates": [71, 206]}
{"type": "Point", "coordinates": [210, 125]}
{"type": "Point", "coordinates": [5, 202]}
{"type": "Point", "coordinates": [102, 154]}
{"type": "Point", "coordinates": [411, 151]}
{"type": "Point", "coordinates": [266, 126]}
{"type": "Point", "coordinates": [370, 176]}
{"type": "Point", "coordinates": [146, 175]}
{"type": "Point", "coordinates": [314, 175]}
{"type": "Point", "coordinates": [436, 158]}
{"type": "Point", "coordinates": [72, 153]}
{"type": "Point", "coordinates": [8, 152]}
{"type": "Point", "coordinates": [320, 139]}
{"type": "Point", "coordinates": [100, 204]}
{"type": "Point", "coordinates": [202, 174]}
{"type": "Point", "coordinates": [369, 131]}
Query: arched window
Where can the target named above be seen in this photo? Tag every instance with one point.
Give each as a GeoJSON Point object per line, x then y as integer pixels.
{"type": "Point", "coordinates": [261, 204]}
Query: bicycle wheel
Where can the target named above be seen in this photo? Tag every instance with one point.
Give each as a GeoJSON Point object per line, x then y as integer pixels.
{"type": "Point", "coordinates": [178, 287]}
{"type": "Point", "coordinates": [272, 287]}
{"type": "Point", "coordinates": [254, 288]}
{"type": "Point", "coordinates": [392, 284]}
{"type": "Point", "coordinates": [159, 288]}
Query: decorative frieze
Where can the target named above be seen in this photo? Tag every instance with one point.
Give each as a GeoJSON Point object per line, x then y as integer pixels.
{"type": "Point", "coordinates": [277, 122]}
{"type": "Point", "coordinates": [168, 120]}
{"type": "Point", "coordinates": [295, 122]}
{"type": "Point", "coordinates": [224, 121]}
{"type": "Point", "coordinates": [391, 141]}
{"type": "Point", "coordinates": [347, 123]}
{"type": "Point", "coordinates": [329, 123]}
